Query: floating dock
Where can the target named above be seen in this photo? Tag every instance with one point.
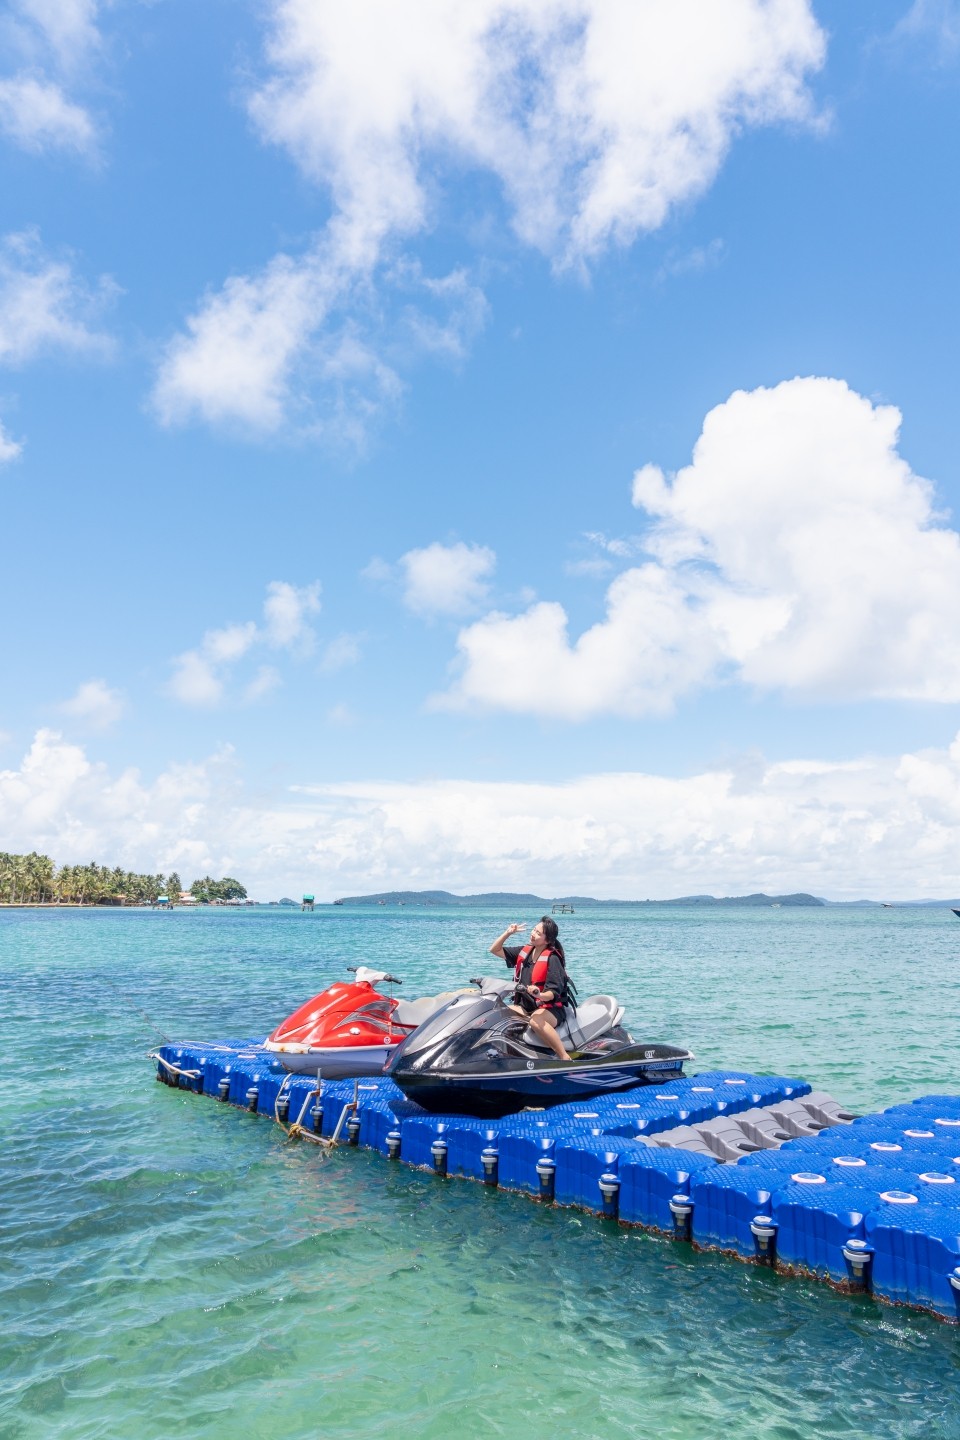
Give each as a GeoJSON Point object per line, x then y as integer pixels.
{"type": "Point", "coordinates": [757, 1166]}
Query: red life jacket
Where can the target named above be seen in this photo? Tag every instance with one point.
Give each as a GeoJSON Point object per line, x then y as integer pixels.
{"type": "Point", "coordinates": [540, 966]}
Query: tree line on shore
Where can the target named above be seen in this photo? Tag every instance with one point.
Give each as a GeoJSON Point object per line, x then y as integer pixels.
{"type": "Point", "coordinates": [35, 880]}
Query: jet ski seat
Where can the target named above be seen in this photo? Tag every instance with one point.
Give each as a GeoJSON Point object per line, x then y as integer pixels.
{"type": "Point", "coordinates": [592, 1017]}
{"type": "Point", "coordinates": [414, 1012]}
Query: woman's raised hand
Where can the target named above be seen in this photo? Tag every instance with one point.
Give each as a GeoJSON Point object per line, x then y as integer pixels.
{"type": "Point", "coordinates": [513, 929]}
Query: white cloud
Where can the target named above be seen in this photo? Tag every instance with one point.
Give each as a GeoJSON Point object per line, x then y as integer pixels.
{"type": "Point", "coordinates": [194, 681]}
{"type": "Point", "coordinates": [9, 449]}
{"type": "Point", "coordinates": [692, 262]}
{"type": "Point", "coordinates": [74, 808]}
{"type": "Point", "coordinates": [932, 20]}
{"type": "Point", "coordinates": [616, 546]}
{"type": "Point", "coordinates": [648, 649]}
{"type": "Point", "coordinates": [95, 704]}
{"type": "Point", "coordinates": [285, 612]}
{"type": "Point", "coordinates": [342, 652]}
{"type": "Point", "coordinates": [235, 360]}
{"type": "Point", "coordinates": [377, 571]}
{"type": "Point", "coordinates": [199, 676]}
{"type": "Point", "coordinates": [460, 310]}
{"type": "Point", "coordinates": [798, 552]}
{"type": "Point", "coordinates": [68, 27]}
{"type": "Point", "coordinates": [446, 579]}
{"type": "Point", "coordinates": [266, 680]}
{"type": "Point", "coordinates": [221, 647]}
{"type": "Point", "coordinates": [291, 345]}
{"type": "Point", "coordinates": [594, 117]}
{"type": "Point", "coordinates": [54, 43]}
{"type": "Point", "coordinates": [882, 826]}
{"type": "Point", "coordinates": [595, 566]}
{"type": "Point", "coordinates": [45, 306]}
{"type": "Point", "coordinates": [36, 115]}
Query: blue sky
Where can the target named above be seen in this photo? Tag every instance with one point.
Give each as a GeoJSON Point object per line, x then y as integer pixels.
{"type": "Point", "coordinates": [331, 343]}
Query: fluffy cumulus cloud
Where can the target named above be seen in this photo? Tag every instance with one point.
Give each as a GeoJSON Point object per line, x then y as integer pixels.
{"type": "Point", "coordinates": [45, 307]}
{"type": "Point", "coordinates": [890, 826]}
{"type": "Point", "coordinates": [200, 676]}
{"type": "Point", "coordinates": [593, 117]}
{"type": "Point", "coordinates": [797, 552]}
{"type": "Point", "coordinates": [50, 48]}
{"type": "Point", "coordinates": [61, 802]}
{"type": "Point", "coordinates": [446, 579]}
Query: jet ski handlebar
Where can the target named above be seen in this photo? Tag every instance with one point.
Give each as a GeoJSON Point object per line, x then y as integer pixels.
{"type": "Point", "coordinates": [378, 974]}
{"type": "Point", "coordinates": [499, 987]}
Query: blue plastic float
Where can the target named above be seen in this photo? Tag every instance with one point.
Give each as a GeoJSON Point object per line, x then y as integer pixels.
{"type": "Point", "coordinates": [870, 1204]}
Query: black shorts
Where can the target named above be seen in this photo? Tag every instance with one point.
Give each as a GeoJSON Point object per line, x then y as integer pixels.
{"type": "Point", "coordinates": [553, 1007]}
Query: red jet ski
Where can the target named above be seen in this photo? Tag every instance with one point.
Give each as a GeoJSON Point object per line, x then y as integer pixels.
{"type": "Point", "coordinates": [350, 1028]}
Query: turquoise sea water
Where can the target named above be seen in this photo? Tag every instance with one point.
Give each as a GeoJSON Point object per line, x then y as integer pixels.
{"type": "Point", "coordinates": [172, 1267]}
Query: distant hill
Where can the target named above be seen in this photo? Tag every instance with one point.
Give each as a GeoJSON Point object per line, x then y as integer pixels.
{"type": "Point", "coordinates": [506, 897]}
{"type": "Point", "coordinates": [758, 899]}
{"type": "Point", "coordinates": [444, 897]}
{"type": "Point", "coordinates": [899, 904]}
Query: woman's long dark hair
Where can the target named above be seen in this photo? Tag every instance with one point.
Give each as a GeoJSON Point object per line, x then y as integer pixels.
{"type": "Point", "coordinates": [550, 932]}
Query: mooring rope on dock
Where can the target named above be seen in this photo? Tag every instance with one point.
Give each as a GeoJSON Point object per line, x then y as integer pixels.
{"type": "Point", "coordinates": [174, 1069]}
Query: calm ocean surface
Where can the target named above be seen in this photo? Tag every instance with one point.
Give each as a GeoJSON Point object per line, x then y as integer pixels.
{"type": "Point", "coordinates": [171, 1267]}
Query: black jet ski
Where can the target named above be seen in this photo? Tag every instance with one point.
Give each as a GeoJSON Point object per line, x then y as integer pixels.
{"type": "Point", "coordinates": [476, 1056]}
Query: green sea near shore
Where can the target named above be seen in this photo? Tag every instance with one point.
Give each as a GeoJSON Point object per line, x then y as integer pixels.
{"type": "Point", "coordinates": [173, 1267]}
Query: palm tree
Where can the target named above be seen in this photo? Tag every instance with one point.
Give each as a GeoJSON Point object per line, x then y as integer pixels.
{"type": "Point", "coordinates": [39, 876]}
{"type": "Point", "coordinates": [19, 878]}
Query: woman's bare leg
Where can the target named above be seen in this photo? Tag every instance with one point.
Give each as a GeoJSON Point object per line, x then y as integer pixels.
{"type": "Point", "coordinates": [546, 1027]}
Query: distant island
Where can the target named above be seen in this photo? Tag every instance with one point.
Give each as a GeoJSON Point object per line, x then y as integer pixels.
{"type": "Point", "coordinates": [506, 897]}
{"type": "Point", "coordinates": [756, 899]}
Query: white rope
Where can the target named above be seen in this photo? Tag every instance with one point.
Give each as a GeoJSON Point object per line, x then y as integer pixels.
{"type": "Point", "coordinates": [175, 1069]}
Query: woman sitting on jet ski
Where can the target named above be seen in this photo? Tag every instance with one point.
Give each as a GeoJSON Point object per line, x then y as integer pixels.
{"type": "Point", "coordinates": [540, 972]}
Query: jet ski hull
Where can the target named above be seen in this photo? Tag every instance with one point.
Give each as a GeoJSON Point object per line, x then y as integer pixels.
{"type": "Point", "coordinates": [335, 1062]}
{"type": "Point", "coordinates": [545, 1083]}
